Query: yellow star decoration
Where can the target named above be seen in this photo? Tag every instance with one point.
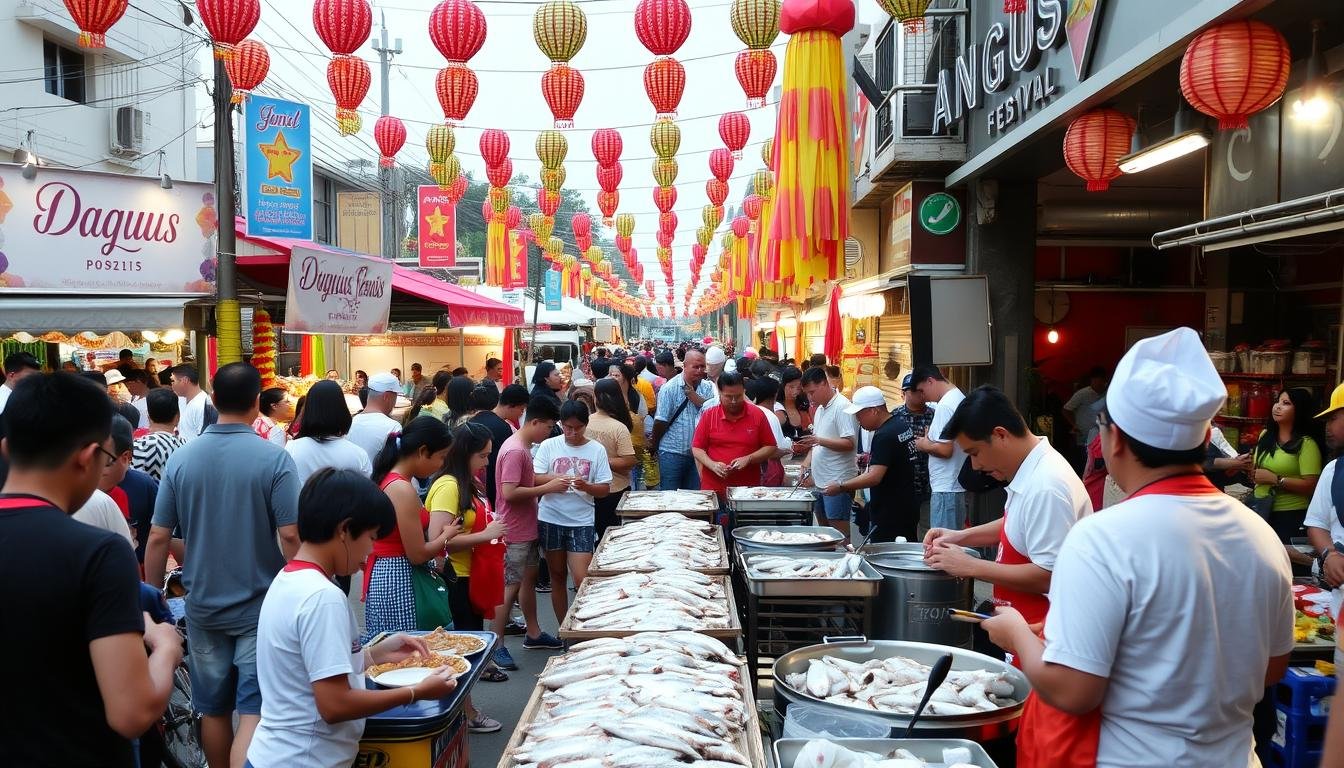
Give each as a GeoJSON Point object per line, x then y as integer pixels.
{"type": "Point", "coordinates": [280, 158]}
{"type": "Point", "coordinates": [437, 221]}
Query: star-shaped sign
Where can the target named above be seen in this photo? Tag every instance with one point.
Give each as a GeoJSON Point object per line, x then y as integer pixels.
{"type": "Point", "coordinates": [437, 221]}
{"type": "Point", "coordinates": [280, 158]}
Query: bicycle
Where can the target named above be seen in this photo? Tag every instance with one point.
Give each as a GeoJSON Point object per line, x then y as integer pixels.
{"type": "Point", "coordinates": [180, 727]}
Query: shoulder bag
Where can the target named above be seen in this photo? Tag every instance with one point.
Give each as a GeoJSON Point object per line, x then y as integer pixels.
{"type": "Point", "coordinates": [431, 599]}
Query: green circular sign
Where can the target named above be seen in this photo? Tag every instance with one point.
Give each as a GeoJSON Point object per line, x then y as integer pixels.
{"type": "Point", "coordinates": [940, 213]}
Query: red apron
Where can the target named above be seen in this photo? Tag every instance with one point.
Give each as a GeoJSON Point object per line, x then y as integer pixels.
{"type": "Point", "coordinates": [1046, 737]}
{"type": "Point", "coordinates": [486, 588]}
{"type": "Point", "coordinates": [1050, 738]}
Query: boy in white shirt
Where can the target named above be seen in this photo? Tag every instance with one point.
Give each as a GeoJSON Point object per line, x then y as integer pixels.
{"type": "Point", "coordinates": [309, 662]}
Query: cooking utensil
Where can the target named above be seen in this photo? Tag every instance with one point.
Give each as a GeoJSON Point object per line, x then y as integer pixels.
{"type": "Point", "coordinates": [806, 473]}
{"type": "Point", "coordinates": [970, 617]}
{"type": "Point", "coordinates": [936, 677]}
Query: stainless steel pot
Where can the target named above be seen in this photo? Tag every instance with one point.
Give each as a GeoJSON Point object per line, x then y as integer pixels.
{"type": "Point", "coordinates": [914, 599]}
{"type": "Point", "coordinates": [981, 726]}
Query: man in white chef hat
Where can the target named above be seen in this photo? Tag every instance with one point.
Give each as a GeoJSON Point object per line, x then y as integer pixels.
{"type": "Point", "coordinates": [1172, 610]}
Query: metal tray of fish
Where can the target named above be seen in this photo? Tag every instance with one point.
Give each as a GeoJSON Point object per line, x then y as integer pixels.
{"type": "Point", "coordinates": [732, 632]}
{"type": "Point", "coordinates": [638, 504]}
{"type": "Point", "coordinates": [740, 499]}
{"type": "Point", "coordinates": [721, 568]}
{"type": "Point", "coordinates": [862, 584]}
{"type": "Point", "coordinates": [833, 538]}
{"type": "Point", "coordinates": [924, 653]}
{"type": "Point", "coordinates": [748, 741]}
{"type": "Point", "coordinates": [929, 750]}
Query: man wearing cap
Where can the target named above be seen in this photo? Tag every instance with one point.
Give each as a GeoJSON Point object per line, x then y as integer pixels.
{"type": "Point", "coordinates": [919, 415]}
{"type": "Point", "coordinates": [715, 362]}
{"type": "Point", "coordinates": [370, 428]}
{"type": "Point", "coordinates": [1325, 519]}
{"type": "Point", "coordinates": [1171, 611]}
{"type": "Point", "coordinates": [894, 507]}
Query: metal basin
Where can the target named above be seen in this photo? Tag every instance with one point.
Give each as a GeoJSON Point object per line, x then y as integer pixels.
{"type": "Point", "coordinates": [860, 651]}
{"type": "Point", "coordinates": [928, 750]}
{"type": "Point", "coordinates": [834, 537]}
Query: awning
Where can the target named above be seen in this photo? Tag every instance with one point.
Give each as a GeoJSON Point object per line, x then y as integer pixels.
{"type": "Point", "coordinates": [99, 315]}
{"type": "Point", "coordinates": [1293, 218]}
{"type": "Point", "coordinates": [269, 265]}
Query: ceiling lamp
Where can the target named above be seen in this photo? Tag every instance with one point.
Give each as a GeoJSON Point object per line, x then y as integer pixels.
{"type": "Point", "coordinates": [1186, 137]}
{"type": "Point", "coordinates": [1313, 101]}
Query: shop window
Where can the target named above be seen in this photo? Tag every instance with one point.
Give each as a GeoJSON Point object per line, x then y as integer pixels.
{"type": "Point", "coordinates": [65, 72]}
{"type": "Point", "coordinates": [322, 210]}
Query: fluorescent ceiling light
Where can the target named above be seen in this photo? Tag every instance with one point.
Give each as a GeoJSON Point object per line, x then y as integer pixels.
{"type": "Point", "coordinates": [1164, 151]}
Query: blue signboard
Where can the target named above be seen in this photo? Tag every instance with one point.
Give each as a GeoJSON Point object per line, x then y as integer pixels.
{"type": "Point", "coordinates": [278, 168]}
{"type": "Point", "coordinates": [552, 289]}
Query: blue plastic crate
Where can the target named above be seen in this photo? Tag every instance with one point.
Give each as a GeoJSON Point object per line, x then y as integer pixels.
{"type": "Point", "coordinates": [1305, 691]}
{"type": "Point", "coordinates": [1280, 758]}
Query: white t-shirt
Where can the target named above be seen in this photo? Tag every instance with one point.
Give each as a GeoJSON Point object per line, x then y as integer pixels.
{"type": "Point", "coordinates": [1045, 499]}
{"type": "Point", "coordinates": [831, 421]}
{"type": "Point", "coordinates": [101, 511]}
{"type": "Point", "coordinates": [192, 423]}
{"type": "Point", "coordinates": [1180, 601]}
{"type": "Point", "coordinates": [556, 457]}
{"type": "Point", "coordinates": [781, 442]}
{"type": "Point", "coordinates": [5, 392]}
{"type": "Point", "coordinates": [1321, 514]}
{"type": "Point", "coordinates": [943, 472]}
{"type": "Point", "coordinates": [310, 455]}
{"type": "Point", "coordinates": [1084, 417]}
{"type": "Point", "coordinates": [305, 633]}
{"type": "Point", "coordinates": [369, 430]}
{"type": "Point", "coordinates": [142, 405]}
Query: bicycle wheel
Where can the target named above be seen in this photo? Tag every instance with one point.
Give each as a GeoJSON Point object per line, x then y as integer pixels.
{"type": "Point", "coordinates": [181, 730]}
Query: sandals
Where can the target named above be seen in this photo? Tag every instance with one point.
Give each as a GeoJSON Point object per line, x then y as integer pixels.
{"type": "Point", "coordinates": [493, 674]}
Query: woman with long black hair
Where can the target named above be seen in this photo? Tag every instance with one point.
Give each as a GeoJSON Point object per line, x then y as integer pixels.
{"type": "Point", "coordinates": [460, 406]}
{"type": "Point", "coordinates": [795, 412]}
{"type": "Point", "coordinates": [625, 375]}
{"type": "Point", "coordinates": [610, 425]}
{"type": "Point", "coordinates": [419, 407]}
{"type": "Point", "coordinates": [547, 382]}
{"type": "Point", "coordinates": [1288, 463]}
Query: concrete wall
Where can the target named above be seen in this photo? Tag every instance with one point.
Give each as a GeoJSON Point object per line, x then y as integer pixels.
{"type": "Point", "coordinates": [149, 62]}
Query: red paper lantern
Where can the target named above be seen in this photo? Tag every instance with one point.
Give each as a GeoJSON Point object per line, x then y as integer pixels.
{"type": "Point", "coordinates": [487, 211]}
{"type": "Point", "coordinates": [458, 188]}
{"type": "Point", "coordinates": [247, 67]}
{"type": "Point", "coordinates": [756, 73]}
{"type": "Point", "coordinates": [607, 146]}
{"type": "Point", "coordinates": [513, 217]}
{"type": "Point", "coordinates": [665, 238]}
{"type": "Point", "coordinates": [500, 173]}
{"type": "Point", "coordinates": [751, 205]}
{"type": "Point", "coordinates": [741, 226]}
{"type": "Point", "coordinates": [457, 28]}
{"type": "Point", "coordinates": [562, 86]}
{"type": "Point", "coordinates": [664, 198]}
{"type": "Point", "coordinates": [457, 88]}
{"type": "Point", "coordinates": [735, 129]}
{"type": "Point", "coordinates": [1234, 70]}
{"type": "Point", "coordinates": [607, 202]}
{"type": "Point", "coordinates": [662, 25]}
{"type": "Point", "coordinates": [94, 18]}
{"type": "Point", "coordinates": [582, 225]}
{"type": "Point", "coordinates": [609, 176]}
{"type": "Point", "coordinates": [721, 164]}
{"type": "Point", "coordinates": [667, 221]}
{"type": "Point", "coordinates": [228, 22]}
{"type": "Point", "coordinates": [664, 82]}
{"type": "Point", "coordinates": [548, 202]}
{"type": "Point", "coordinates": [388, 131]}
{"type": "Point", "coordinates": [343, 25]}
{"type": "Point", "coordinates": [583, 242]}
{"type": "Point", "coordinates": [494, 146]}
{"type": "Point", "coordinates": [349, 79]}
{"type": "Point", "coordinates": [717, 191]}
{"type": "Point", "coordinates": [1094, 144]}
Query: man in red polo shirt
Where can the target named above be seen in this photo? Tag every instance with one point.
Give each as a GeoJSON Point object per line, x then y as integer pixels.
{"type": "Point", "coordinates": [732, 440]}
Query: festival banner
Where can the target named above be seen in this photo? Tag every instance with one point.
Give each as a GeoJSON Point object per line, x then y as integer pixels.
{"type": "Point", "coordinates": [337, 293]}
{"type": "Point", "coordinates": [84, 232]}
{"type": "Point", "coordinates": [552, 293]}
{"type": "Point", "coordinates": [278, 168]}
{"type": "Point", "coordinates": [438, 227]}
{"type": "Point", "coordinates": [359, 222]}
{"type": "Point", "coordinates": [515, 268]}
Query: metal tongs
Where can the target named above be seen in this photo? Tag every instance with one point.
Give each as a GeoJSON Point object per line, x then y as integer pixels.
{"type": "Point", "coordinates": [806, 473]}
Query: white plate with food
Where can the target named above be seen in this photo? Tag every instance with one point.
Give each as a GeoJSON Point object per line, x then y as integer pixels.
{"type": "Point", "coordinates": [410, 671]}
{"type": "Point", "coordinates": [453, 643]}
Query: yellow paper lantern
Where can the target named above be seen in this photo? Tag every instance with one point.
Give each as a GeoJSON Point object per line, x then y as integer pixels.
{"type": "Point", "coordinates": [552, 179]}
{"type": "Point", "coordinates": [625, 224]}
{"type": "Point", "coordinates": [552, 147]}
{"type": "Point", "coordinates": [440, 142]}
{"type": "Point", "coordinates": [665, 138]}
{"type": "Point", "coordinates": [560, 29]}
{"type": "Point", "coordinates": [665, 172]}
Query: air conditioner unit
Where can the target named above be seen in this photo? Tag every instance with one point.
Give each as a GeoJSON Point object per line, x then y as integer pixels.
{"type": "Point", "coordinates": [128, 131]}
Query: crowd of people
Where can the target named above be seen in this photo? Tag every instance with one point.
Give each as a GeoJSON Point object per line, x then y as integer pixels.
{"type": "Point", "coordinates": [478, 496]}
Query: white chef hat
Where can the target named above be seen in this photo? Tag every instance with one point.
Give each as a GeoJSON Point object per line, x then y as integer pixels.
{"type": "Point", "coordinates": [1165, 391]}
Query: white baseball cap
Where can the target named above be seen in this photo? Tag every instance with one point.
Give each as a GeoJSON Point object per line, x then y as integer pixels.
{"type": "Point", "coordinates": [384, 382]}
{"type": "Point", "coordinates": [1165, 391]}
{"type": "Point", "coordinates": [866, 397]}
{"type": "Point", "coordinates": [715, 356]}
{"type": "Point", "coordinates": [113, 376]}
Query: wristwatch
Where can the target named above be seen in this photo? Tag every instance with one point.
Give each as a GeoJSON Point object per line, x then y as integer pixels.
{"type": "Point", "coordinates": [1279, 483]}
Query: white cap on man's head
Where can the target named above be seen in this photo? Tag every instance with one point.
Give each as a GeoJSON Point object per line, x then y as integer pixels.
{"type": "Point", "coordinates": [866, 397]}
{"type": "Point", "coordinates": [715, 356]}
{"type": "Point", "coordinates": [113, 376]}
{"type": "Point", "coordinates": [1165, 391]}
{"type": "Point", "coordinates": [384, 382]}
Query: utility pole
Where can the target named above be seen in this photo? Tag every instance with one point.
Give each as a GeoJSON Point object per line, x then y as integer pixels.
{"type": "Point", "coordinates": [228, 314]}
{"type": "Point", "coordinates": [391, 239]}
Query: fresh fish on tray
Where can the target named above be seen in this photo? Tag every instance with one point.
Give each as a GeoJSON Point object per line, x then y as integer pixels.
{"type": "Point", "coordinates": [667, 501]}
{"type": "Point", "coordinates": [769, 494]}
{"type": "Point", "coordinates": [788, 537]}
{"type": "Point", "coordinates": [671, 598]}
{"type": "Point", "coordinates": [778, 567]}
{"type": "Point", "coordinates": [653, 699]}
{"type": "Point", "coordinates": [896, 685]}
{"type": "Point", "coordinates": [661, 541]}
{"type": "Point", "coordinates": [820, 753]}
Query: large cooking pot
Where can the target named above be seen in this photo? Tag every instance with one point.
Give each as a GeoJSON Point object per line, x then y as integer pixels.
{"type": "Point", "coordinates": [914, 599]}
{"type": "Point", "coordinates": [981, 726]}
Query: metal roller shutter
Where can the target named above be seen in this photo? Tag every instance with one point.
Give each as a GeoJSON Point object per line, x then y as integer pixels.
{"type": "Point", "coordinates": [893, 342]}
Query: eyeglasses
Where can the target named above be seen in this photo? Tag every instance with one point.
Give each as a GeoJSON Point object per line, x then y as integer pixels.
{"type": "Point", "coordinates": [111, 457]}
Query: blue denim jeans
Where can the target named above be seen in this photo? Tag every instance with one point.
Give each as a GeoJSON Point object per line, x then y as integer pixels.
{"type": "Point", "coordinates": [677, 471]}
{"type": "Point", "coordinates": [837, 507]}
{"type": "Point", "coordinates": [947, 510]}
{"type": "Point", "coordinates": [223, 669]}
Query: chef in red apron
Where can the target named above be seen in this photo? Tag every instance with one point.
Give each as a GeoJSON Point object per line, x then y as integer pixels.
{"type": "Point", "coordinates": [1045, 499]}
{"type": "Point", "coordinates": [1171, 611]}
